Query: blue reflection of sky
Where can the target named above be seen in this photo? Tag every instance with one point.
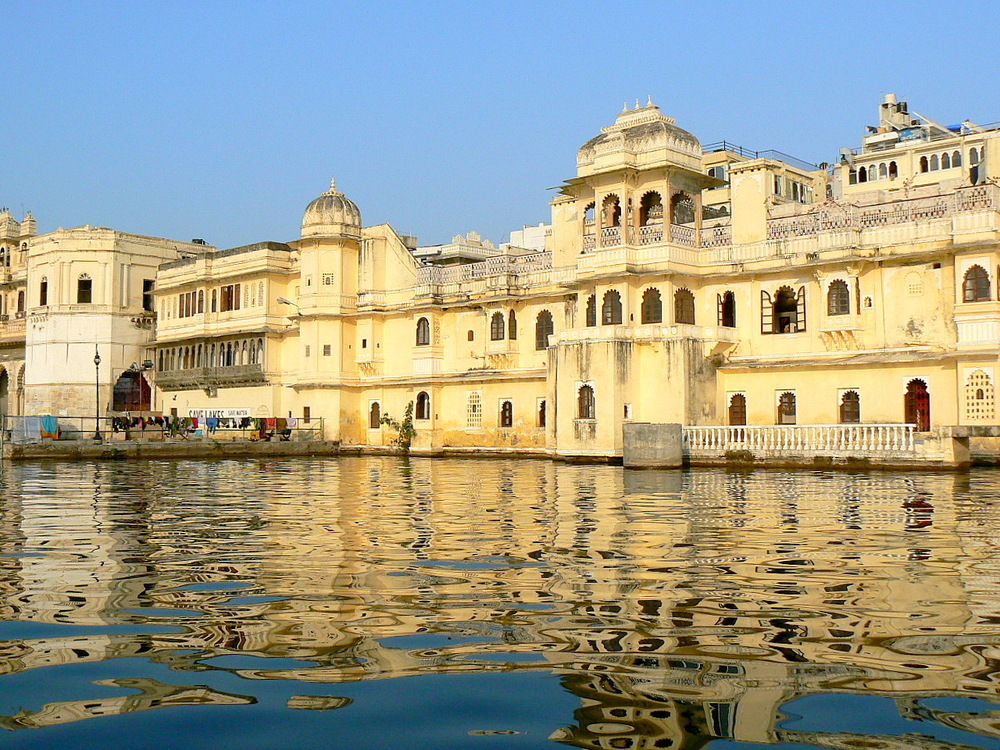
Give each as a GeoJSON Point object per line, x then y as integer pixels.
{"type": "Point", "coordinates": [873, 715]}
{"type": "Point", "coordinates": [417, 713]}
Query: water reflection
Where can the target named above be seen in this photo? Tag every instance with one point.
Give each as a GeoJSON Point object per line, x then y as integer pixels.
{"type": "Point", "coordinates": [674, 609]}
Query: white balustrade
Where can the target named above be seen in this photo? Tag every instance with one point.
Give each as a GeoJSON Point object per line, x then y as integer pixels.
{"type": "Point", "coordinates": [683, 235]}
{"type": "Point", "coordinates": [611, 236]}
{"type": "Point", "coordinates": [650, 234]}
{"type": "Point", "coordinates": [833, 440]}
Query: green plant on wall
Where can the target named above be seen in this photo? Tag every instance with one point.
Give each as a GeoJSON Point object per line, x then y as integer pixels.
{"type": "Point", "coordinates": [405, 431]}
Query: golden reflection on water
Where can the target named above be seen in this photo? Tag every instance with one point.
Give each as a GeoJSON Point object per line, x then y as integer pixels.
{"type": "Point", "coordinates": [678, 607]}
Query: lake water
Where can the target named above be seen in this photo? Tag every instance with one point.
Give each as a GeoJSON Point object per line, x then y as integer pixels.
{"type": "Point", "coordinates": [371, 602]}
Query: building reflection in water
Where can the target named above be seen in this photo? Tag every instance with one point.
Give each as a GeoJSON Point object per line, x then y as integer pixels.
{"type": "Point", "coordinates": [678, 607]}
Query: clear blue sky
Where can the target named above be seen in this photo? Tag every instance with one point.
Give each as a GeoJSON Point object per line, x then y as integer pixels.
{"type": "Point", "coordinates": [223, 120]}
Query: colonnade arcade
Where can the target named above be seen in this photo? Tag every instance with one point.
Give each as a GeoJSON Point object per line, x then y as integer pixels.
{"type": "Point", "coordinates": [234, 353]}
{"type": "Point", "coordinates": [640, 219]}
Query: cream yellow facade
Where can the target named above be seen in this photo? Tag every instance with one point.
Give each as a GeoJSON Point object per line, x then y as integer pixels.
{"type": "Point", "coordinates": [678, 283]}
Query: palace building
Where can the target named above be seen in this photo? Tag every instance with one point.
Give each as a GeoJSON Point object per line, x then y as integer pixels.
{"type": "Point", "coordinates": [679, 283]}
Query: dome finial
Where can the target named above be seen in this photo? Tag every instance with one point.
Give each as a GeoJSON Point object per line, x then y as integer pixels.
{"type": "Point", "coordinates": [649, 100]}
{"type": "Point", "coordinates": [333, 185]}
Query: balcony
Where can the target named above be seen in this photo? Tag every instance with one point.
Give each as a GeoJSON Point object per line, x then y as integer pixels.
{"type": "Point", "coordinates": [206, 377]}
{"type": "Point", "coordinates": [12, 331]}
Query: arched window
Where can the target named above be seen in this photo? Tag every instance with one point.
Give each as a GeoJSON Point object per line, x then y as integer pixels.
{"type": "Point", "coordinates": [588, 216]}
{"type": "Point", "coordinates": [893, 170]}
{"type": "Point", "coordinates": [651, 209]}
{"type": "Point", "coordinates": [260, 351]}
{"type": "Point", "coordinates": [543, 329]}
{"type": "Point", "coordinates": [681, 209]}
{"type": "Point", "coordinates": [973, 156]}
{"type": "Point", "coordinates": [850, 408]}
{"type": "Point", "coordinates": [586, 406]}
{"type": "Point", "coordinates": [684, 306]}
{"type": "Point", "coordinates": [423, 410]}
{"type": "Point", "coordinates": [980, 399]}
{"type": "Point", "coordinates": [84, 290]}
{"type": "Point", "coordinates": [945, 160]}
{"type": "Point", "coordinates": [956, 159]}
{"type": "Point", "coordinates": [786, 408]}
{"type": "Point", "coordinates": [512, 325]}
{"type": "Point", "coordinates": [923, 164]}
{"type": "Point", "coordinates": [591, 311]}
{"type": "Point", "coordinates": [611, 212]}
{"type": "Point", "coordinates": [506, 413]}
{"type": "Point", "coordinates": [917, 405]}
{"type": "Point", "coordinates": [215, 300]}
{"type": "Point", "coordinates": [496, 327]}
{"type": "Point", "coordinates": [374, 416]}
{"type": "Point", "coordinates": [611, 309]}
{"type": "Point", "coordinates": [20, 301]}
{"type": "Point", "coordinates": [727, 310]}
{"type": "Point", "coordinates": [935, 163]}
{"type": "Point", "coordinates": [838, 298]}
{"type": "Point", "coordinates": [786, 313]}
{"type": "Point", "coordinates": [863, 174]}
{"type": "Point", "coordinates": [652, 306]}
{"type": "Point", "coordinates": [201, 301]}
{"type": "Point", "coordinates": [738, 409]}
{"type": "Point", "coordinates": [976, 285]}
{"type": "Point", "coordinates": [883, 171]}
{"type": "Point", "coordinates": [423, 332]}
{"type": "Point", "coordinates": [43, 292]}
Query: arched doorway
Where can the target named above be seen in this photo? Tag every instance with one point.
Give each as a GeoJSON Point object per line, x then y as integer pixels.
{"type": "Point", "coordinates": [132, 393]}
{"type": "Point", "coordinates": [917, 404]}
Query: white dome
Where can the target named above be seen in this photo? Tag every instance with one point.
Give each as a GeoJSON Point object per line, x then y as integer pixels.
{"type": "Point", "coordinates": [332, 215]}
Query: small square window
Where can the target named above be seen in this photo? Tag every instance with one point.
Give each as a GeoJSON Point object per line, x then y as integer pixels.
{"type": "Point", "coordinates": [307, 350]}
{"type": "Point", "coordinates": [472, 335]}
{"type": "Point", "coordinates": [327, 350]}
{"type": "Point", "coordinates": [364, 343]}
{"type": "Point", "coordinates": [328, 279]}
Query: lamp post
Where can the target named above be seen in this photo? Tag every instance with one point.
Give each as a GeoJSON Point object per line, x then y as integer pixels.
{"type": "Point", "coordinates": [97, 391]}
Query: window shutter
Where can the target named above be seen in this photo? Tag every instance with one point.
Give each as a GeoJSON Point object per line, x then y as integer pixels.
{"type": "Point", "coordinates": [766, 313]}
{"type": "Point", "coordinates": [718, 308]}
{"type": "Point", "coordinates": [800, 310]}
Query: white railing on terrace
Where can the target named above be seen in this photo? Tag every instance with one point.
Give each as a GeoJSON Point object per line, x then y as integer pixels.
{"type": "Point", "coordinates": [589, 243]}
{"type": "Point", "coordinates": [682, 235]}
{"type": "Point", "coordinates": [491, 267]}
{"type": "Point", "coordinates": [611, 236]}
{"type": "Point", "coordinates": [820, 439]}
{"type": "Point", "coordinates": [650, 234]}
{"type": "Point", "coordinates": [907, 211]}
{"type": "Point", "coordinates": [717, 236]}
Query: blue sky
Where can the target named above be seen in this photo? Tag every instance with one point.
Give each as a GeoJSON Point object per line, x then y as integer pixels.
{"type": "Point", "coordinates": [223, 120]}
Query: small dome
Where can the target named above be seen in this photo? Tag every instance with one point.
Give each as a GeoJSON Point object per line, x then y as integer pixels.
{"type": "Point", "coordinates": [332, 215]}
{"type": "Point", "coordinates": [643, 131]}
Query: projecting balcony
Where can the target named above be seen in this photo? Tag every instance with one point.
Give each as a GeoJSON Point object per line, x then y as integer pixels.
{"type": "Point", "coordinates": [12, 331]}
{"type": "Point", "coordinates": [206, 377]}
